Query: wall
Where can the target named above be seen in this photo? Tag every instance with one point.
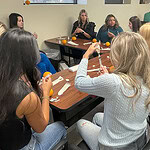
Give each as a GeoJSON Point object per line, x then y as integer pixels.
{"type": "Point", "coordinates": [50, 21]}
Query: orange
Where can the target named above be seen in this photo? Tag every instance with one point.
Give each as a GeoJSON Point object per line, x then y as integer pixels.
{"type": "Point", "coordinates": [94, 40]}
{"type": "Point", "coordinates": [74, 38]}
{"type": "Point", "coordinates": [51, 92]}
{"type": "Point", "coordinates": [27, 2]}
{"type": "Point", "coordinates": [46, 74]}
{"type": "Point", "coordinates": [107, 44]}
{"type": "Point", "coordinates": [112, 68]}
{"type": "Point", "coordinates": [64, 41]}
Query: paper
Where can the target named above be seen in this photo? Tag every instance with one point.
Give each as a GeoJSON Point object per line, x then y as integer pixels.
{"type": "Point", "coordinates": [93, 70]}
{"type": "Point", "coordinates": [87, 43]}
{"type": "Point", "coordinates": [64, 88]}
{"type": "Point", "coordinates": [105, 49]}
{"type": "Point", "coordinates": [57, 80]}
{"type": "Point", "coordinates": [74, 68]}
{"type": "Point", "coordinates": [72, 43]}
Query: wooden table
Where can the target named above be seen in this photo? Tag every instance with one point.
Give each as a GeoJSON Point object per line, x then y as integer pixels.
{"type": "Point", "coordinates": [74, 104]}
{"type": "Point", "coordinates": [67, 48]}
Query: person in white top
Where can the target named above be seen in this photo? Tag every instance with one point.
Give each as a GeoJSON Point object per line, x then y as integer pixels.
{"type": "Point", "coordinates": [126, 92]}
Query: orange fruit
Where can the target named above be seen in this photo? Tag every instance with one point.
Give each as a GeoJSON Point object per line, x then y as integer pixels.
{"type": "Point", "coordinates": [51, 92]}
{"type": "Point", "coordinates": [112, 68]}
{"type": "Point", "coordinates": [46, 74]}
{"type": "Point", "coordinates": [94, 40]}
{"type": "Point", "coordinates": [74, 38]}
{"type": "Point", "coordinates": [64, 41]}
{"type": "Point", "coordinates": [107, 44]}
{"type": "Point", "coordinates": [27, 2]}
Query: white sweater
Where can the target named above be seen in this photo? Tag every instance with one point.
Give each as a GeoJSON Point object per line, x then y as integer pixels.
{"type": "Point", "coordinates": [122, 123]}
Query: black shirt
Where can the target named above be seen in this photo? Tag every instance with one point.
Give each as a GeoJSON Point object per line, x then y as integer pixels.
{"type": "Point", "coordinates": [88, 28]}
{"type": "Point", "coordinates": [15, 133]}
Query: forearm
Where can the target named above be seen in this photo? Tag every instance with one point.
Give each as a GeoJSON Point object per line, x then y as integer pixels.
{"type": "Point", "coordinates": [45, 107]}
{"type": "Point", "coordinates": [87, 35]}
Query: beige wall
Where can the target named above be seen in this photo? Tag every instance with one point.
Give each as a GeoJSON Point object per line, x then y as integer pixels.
{"type": "Point", "coordinates": [50, 21]}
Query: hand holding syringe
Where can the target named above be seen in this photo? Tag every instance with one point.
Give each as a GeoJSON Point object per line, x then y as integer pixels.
{"type": "Point", "coordinates": [99, 56]}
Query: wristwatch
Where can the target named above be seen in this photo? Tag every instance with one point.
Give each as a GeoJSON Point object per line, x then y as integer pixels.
{"type": "Point", "coordinates": [83, 32]}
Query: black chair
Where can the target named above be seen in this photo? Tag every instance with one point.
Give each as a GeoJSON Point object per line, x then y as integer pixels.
{"type": "Point", "coordinates": [83, 145]}
{"type": "Point", "coordinates": [147, 146]}
{"type": "Point", "coordinates": [62, 145]}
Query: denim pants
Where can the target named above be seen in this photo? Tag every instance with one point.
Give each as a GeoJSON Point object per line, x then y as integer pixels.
{"type": "Point", "coordinates": [48, 138]}
{"type": "Point", "coordinates": [89, 132]}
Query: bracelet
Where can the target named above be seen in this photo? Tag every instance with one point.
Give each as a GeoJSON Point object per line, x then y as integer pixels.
{"type": "Point", "coordinates": [45, 97]}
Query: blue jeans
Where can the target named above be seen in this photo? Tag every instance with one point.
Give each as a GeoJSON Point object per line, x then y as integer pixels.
{"type": "Point", "coordinates": [89, 132]}
{"type": "Point", "coordinates": [48, 138]}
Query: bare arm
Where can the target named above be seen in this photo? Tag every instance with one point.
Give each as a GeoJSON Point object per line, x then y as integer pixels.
{"type": "Point", "coordinates": [36, 113]}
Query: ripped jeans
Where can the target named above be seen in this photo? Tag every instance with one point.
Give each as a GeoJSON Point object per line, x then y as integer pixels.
{"type": "Point", "coordinates": [89, 132]}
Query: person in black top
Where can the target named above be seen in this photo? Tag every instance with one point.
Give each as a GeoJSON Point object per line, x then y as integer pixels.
{"type": "Point", "coordinates": [83, 28]}
{"type": "Point", "coordinates": [24, 104]}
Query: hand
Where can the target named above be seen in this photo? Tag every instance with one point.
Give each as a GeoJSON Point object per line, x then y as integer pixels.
{"type": "Point", "coordinates": [78, 30]}
{"type": "Point", "coordinates": [91, 50]}
{"type": "Point", "coordinates": [103, 70]}
{"type": "Point", "coordinates": [35, 35]}
{"type": "Point", "coordinates": [111, 34]}
{"type": "Point", "coordinates": [46, 86]}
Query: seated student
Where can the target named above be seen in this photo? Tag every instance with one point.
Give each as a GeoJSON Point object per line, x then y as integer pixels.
{"type": "Point", "coordinates": [134, 24]}
{"type": "Point", "coordinates": [24, 109]}
{"type": "Point", "coordinates": [109, 30]}
{"type": "Point", "coordinates": [16, 20]}
{"type": "Point", "coordinates": [147, 17]}
{"type": "Point", "coordinates": [145, 32]}
{"type": "Point", "coordinates": [127, 95]}
{"type": "Point", "coordinates": [83, 28]}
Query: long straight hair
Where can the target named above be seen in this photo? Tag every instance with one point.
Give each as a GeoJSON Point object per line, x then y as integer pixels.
{"type": "Point", "coordinates": [131, 57]}
{"type": "Point", "coordinates": [136, 23]}
{"type": "Point", "coordinates": [145, 32]}
{"type": "Point", "coordinates": [13, 19]}
{"type": "Point", "coordinates": [18, 56]}
{"type": "Point", "coordinates": [79, 18]}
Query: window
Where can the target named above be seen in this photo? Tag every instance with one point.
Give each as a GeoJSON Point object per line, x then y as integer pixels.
{"type": "Point", "coordinates": [144, 1]}
{"type": "Point", "coordinates": [117, 1]}
{"type": "Point", "coordinates": [57, 1]}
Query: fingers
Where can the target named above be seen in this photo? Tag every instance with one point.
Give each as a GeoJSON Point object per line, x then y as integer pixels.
{"type": "Point", "coordinates": [103, 70]}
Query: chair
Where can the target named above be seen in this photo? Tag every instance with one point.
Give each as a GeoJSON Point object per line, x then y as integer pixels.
{"type": "Point", "coordinates": [62, 145]}
{"type": "Point", "coordinates": [83, 145]}
{"type": "Point", "coordinates": [147, 146]}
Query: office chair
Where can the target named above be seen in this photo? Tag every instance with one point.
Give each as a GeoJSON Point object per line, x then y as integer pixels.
{"type": "Point", "coordinates": [62, 145]}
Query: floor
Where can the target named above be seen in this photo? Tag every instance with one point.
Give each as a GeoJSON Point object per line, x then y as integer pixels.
{"type": "Point", "coordinates": [73, 136]}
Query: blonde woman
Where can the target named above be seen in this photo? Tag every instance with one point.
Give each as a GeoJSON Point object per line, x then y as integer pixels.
{"type": "Point", "coordinates": [126, 93]}
{"type": "Point", "coordinates": [145, 32]}
{"type": "Point", "coordinates": [82, 28]}
{"type": "Point", "coordinates": [2, 28]}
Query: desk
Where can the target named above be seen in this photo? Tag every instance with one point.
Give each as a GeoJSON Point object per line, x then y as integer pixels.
{"type": "Point", "coordinates": [74, 104]}
{"type": "Point", "coordinates": [68, 47]}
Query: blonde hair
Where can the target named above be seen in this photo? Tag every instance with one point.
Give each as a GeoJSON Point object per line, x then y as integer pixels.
{"type": "Point", "coordinates": [79, 18]}
{"type": "Point", "coordinates": [145, 32]}
{"type": "Point", "coordinates": [131, 57]}
{"type": "Point", "coordinates": [2, 28]}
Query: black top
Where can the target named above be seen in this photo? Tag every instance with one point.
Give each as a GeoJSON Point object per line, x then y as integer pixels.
{"type": "Point", "coordinates": [15, 133]}
{"type": "Point", "coordinates": [89, 28]}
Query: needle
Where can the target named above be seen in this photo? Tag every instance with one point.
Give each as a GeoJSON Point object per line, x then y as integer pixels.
{"type": "Point", "coordinates": [99, 56]}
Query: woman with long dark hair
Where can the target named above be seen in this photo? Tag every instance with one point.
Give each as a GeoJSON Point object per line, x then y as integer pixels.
{"type": "Point", "coordinates": [134, 24]}
{"type": "Point", "coordinates": [109, 30]}
{"type": "Point", "coordinates": [24, 106]}
{"type": "Point", "coordinates": [16, 21]}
